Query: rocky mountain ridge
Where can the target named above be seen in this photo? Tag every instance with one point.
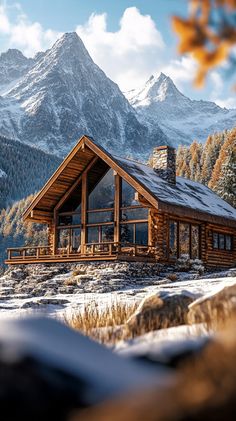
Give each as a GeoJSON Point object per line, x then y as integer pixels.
{"type": "Point", "coordinates": [64, 95]}
{"type": "Point", "coordinates": [180, 118]}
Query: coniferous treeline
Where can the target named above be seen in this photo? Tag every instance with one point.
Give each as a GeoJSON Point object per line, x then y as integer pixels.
{"type": "Point", "coordinates": [26, 169]}
{"type": "Point", "coordinates": [212, 163]}
{"type": "Point", "coordinates": [16, 233]}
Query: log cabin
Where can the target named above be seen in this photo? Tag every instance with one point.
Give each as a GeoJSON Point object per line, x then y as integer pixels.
{"type": "Point", "coordinates": [99, 206]}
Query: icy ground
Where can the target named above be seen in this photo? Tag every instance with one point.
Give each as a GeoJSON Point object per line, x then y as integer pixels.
{"type": "Point", "coordinates": [58, 292]}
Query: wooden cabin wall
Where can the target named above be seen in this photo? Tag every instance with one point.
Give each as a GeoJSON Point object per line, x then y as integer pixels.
{"type": "Point", "coordinates": [159, 237]}
{"type": "Point", "coordinates": [158, 234]}
{"type": "Point", "coordinates": [51, 233]}
{"type": "Point", "coordinates": [215, 257]}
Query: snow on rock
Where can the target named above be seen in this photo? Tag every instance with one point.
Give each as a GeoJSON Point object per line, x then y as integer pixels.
{"type": "Point", "coordinates": [166, 345]}
{"type": "Point", "coordinates": [60, 290]}
{"type": "Point", "coordinates": [216, 306]}
{"type": "Point", "coordinates": [2, 174]}
{"type": "Point", "coordinates": [159, 311]}
{"type": "Point", "coordinates": [51, 343]}
{"type": "Point", "coordinates": [180, 118]}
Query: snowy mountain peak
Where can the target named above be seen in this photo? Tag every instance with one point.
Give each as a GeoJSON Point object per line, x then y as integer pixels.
{"type": "Point", "coordinates": [13, 56]}
{"type": "Point", "coordinates": [70, 43]}
{"type": "Point", "coordinates": [156, 89]}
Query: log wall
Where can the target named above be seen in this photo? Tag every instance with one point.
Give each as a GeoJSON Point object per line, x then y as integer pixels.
{"type": "Point", "coordinates": [159, 237]}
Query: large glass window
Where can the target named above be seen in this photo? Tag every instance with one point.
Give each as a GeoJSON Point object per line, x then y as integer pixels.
{"type": "Point", "coordinates": [76, 239]}
{"type": "Point", "coordinates": [141, 233]}
{"type": "Point", "coordinates": [63, 238]}
{"type": "Point", "coordinates": [102, 194]}
{"type": "Point", "coordinates": [136, 233]}
{"type": "Point", "coordinates": [69, 219]}
{"type": "Point", "coordinates": [138, 213]}
{"type": "Point", "coordinates": [128, 195]}
{"type": "Point", "coordinates": [100, 234]}
{"type": "Point", "coordinates": [173, 236]}
{"type": "Point", "coordinates": [127, 233]}
{"type": "Point", "coordinates": [102, 216]}
{"type": "Point", "coordinates": [184, 238]}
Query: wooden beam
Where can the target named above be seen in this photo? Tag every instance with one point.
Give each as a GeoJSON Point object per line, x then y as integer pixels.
{"type": "Point", "coordinates": [115, 166]}
{"type": "Point", "coordinates": [75, 184]}
{"type": "Point", "coordinates": [84, 200]}
{"type": "Point", "coordinates": [117, 207]}
{"type": "Point", "coordinates": [54, 177]}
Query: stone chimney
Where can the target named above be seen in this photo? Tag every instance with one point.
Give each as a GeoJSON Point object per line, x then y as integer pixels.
{"type": "Point", "coordinates": [164, 163]}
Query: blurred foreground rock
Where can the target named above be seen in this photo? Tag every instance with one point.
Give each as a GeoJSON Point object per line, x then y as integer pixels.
{"type": "Point", "coordinates": [214, 309]}
{"type": "Point", "coordinates": [160, 311]}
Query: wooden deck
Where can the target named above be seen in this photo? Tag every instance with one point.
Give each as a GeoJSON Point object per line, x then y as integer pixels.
{"type": "Point", "coordinates": [89, 252]}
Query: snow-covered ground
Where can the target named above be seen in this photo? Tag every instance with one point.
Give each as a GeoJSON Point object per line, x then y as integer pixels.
{"type": "Point", "coordinates": [64, 304]}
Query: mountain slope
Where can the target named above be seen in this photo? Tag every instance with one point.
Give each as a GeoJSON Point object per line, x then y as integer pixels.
{"type": "Point", "coordinates": [180, 118]}
{"type": "Point", "coordinates": [23, 170]}
{"type": "Point", "coordinates": [65, 95]}
{"type": "Point", "coordinates": [13, 65]}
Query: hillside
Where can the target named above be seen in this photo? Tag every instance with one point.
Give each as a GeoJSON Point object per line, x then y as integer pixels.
{"type": "Point", "coordinates": [23, 170]}
{"type": "Point", "coordinates": [212, 163]}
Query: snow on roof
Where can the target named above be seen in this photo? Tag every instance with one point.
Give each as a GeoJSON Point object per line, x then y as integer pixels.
{"type": "Point", "coordinates": [185, 192]}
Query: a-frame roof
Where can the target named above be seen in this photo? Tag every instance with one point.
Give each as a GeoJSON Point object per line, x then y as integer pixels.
{"type": "Point", "coordinates": [186, 197]}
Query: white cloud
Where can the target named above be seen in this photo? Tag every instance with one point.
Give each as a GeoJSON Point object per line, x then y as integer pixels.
{"type": "Point", "coordinates": [129, 55]}
{"type": "Point", "coordinates": [29, 37]}
{"type": "Point", "coordinates": [181, 70]}
{"type": "Point", "coordinates": [4, 21]}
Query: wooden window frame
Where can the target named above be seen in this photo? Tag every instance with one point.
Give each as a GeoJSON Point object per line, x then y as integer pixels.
{"type": "Point", "coordinates": [178, 222]}
{"type": "Point", "coordinates": [218, 233]}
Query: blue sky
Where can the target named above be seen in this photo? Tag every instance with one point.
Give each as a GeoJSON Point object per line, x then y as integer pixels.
{"type": "Point", "coordinates": [129, 40]}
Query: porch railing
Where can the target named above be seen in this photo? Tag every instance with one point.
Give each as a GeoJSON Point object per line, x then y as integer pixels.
{"type": "Point", "coordinates": [87, 250]}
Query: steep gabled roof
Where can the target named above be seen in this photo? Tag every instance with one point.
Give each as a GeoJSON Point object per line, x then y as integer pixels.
{"type": "Point", "coordinates": [186, 195]}
{"type": "Point", "coordinates": [185, 192]}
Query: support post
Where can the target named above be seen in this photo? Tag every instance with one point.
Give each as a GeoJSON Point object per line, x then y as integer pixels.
{"type": "Point", "coordinates": [84, 199]}
{"type": "Point", "coordinates": [117, 207]}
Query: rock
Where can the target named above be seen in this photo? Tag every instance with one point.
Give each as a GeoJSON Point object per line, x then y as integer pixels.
{"type": "Point", "coordinates": [160, 311]}
{"type": "Point", "coordinates": [214, 309]}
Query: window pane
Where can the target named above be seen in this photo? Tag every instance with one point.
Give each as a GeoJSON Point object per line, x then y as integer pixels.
{"type": "Point", "coordinates": [173, 239]}
{"type": "Point", "coordinates": [221, 241]}
{"type": "Point", "coordinates": [134, 214]}
{"type": "Point", "coordinates": [228, 242]}
{"type": "Point", "coordinates": [95, 217]}
{"type": "Point", "coordinates": [76, 239]}
{"type": "Point", "coordinates": [195, 242]}
{"type": "Point", "coordinates": [128, 195]}
{"type": "Point", "coordinates": [141, 234]}
{"type": "Point", "coordinates": [127, 233]}
{"type": "Point", "coordinates": [107, 233]}
{"type": "Point", "coordinates": [102, 195]}
{"type": "Point", "coordinates": [184, 231]}
{"type": "Point", "coordinates": [73, 202]}
{"type": "Point", "coordinates": [63, 238]}
{"type": "Point", "coordinates": [93, 234]}
{"type": "Point", "coordinates": [215, 240]}
{"type": "Point", "coordinates": [69, 219]}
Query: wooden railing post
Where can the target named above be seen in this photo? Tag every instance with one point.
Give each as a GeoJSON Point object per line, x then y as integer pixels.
{"type": "Point", "coordinates": [93, 249]}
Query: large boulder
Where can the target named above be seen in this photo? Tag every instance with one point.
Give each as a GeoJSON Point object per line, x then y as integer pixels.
{"type": "Point", "coordinates": [214, 309]}
{"type": "Point", "coordinates": [160, 311]}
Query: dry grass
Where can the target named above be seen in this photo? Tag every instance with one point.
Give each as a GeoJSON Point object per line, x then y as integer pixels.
{"type": "Point", "coordinates": [105, 325]}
